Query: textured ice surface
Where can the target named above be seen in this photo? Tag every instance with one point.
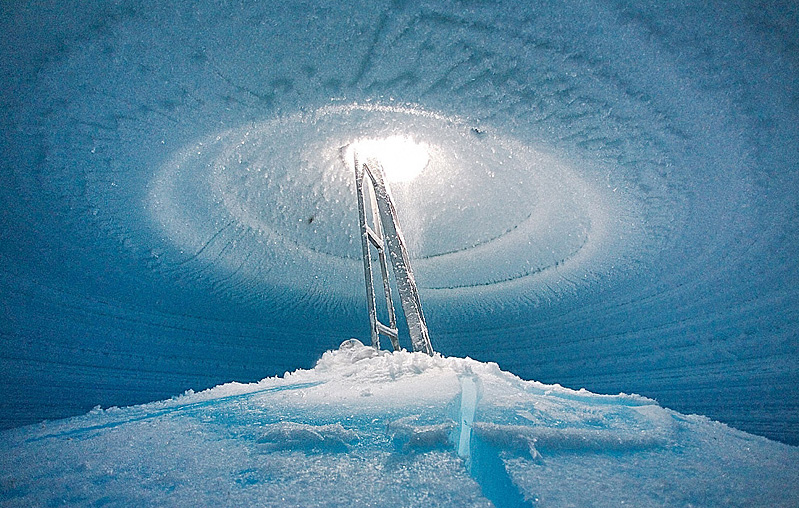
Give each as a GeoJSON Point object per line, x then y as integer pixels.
{"type": "Point", "coordinates": [611, 201]}
{"type": "Point", "coordinates": [368, 429]}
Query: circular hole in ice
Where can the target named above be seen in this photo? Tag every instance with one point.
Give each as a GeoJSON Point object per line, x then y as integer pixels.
{"type": "Point", "coordinates": [402, 158]}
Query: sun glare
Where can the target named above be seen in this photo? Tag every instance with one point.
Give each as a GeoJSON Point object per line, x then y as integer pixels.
{"type": "Point", "coordinates": [402, 158]}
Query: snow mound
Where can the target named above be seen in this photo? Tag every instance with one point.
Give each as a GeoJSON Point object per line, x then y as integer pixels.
{"type": "Point", "coordinates": [372, 428]}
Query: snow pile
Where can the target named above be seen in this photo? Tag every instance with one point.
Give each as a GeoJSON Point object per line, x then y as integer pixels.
{"type": "Point", "coordinates": [371, 428]}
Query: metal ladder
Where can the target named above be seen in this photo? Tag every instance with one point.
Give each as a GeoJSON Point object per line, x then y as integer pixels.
{"type": "Point", "coordinates": [386, 235]}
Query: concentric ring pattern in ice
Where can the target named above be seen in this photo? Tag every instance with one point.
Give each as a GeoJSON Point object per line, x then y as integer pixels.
{"type": "Point", "coordinates": [484, 211]}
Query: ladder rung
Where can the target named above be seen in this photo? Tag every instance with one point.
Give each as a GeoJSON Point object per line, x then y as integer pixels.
{"type": "Point", "coordinates": [376, 240]}
{"type": "Point", "coordinates": [385, 330]}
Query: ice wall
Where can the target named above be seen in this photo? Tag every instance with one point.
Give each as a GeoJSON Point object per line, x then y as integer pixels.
{"type": "Point", "coordinates": [611, 199]}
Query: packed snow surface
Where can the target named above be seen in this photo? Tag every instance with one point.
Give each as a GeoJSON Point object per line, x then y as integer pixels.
{"type": "Point", "coordinates": [368, 428]}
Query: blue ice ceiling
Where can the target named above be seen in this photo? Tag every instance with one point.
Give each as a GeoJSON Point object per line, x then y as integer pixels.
{"type": "Point", "coordinates": [611, 198]}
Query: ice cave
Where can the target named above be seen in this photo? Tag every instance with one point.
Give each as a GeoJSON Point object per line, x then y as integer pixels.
{"type": "Point", "coordinates": [599, 199]}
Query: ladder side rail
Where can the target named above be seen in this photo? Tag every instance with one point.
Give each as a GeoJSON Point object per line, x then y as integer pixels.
{"type": "Point", "coordinates": [392, 316]}
{"type": "Point", "coordinates": [367, 258]}
{"type": "Point", "coordinates": [400, 260]}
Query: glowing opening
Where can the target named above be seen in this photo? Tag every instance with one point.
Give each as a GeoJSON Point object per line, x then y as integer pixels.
{"type": "Point", "coordinates": [402, 158]}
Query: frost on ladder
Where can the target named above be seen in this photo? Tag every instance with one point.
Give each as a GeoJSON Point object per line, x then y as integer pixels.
{"type": "Point", "coordinates": [385, 235]}
{"type": "Point", "coordinates": [373, 428]}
